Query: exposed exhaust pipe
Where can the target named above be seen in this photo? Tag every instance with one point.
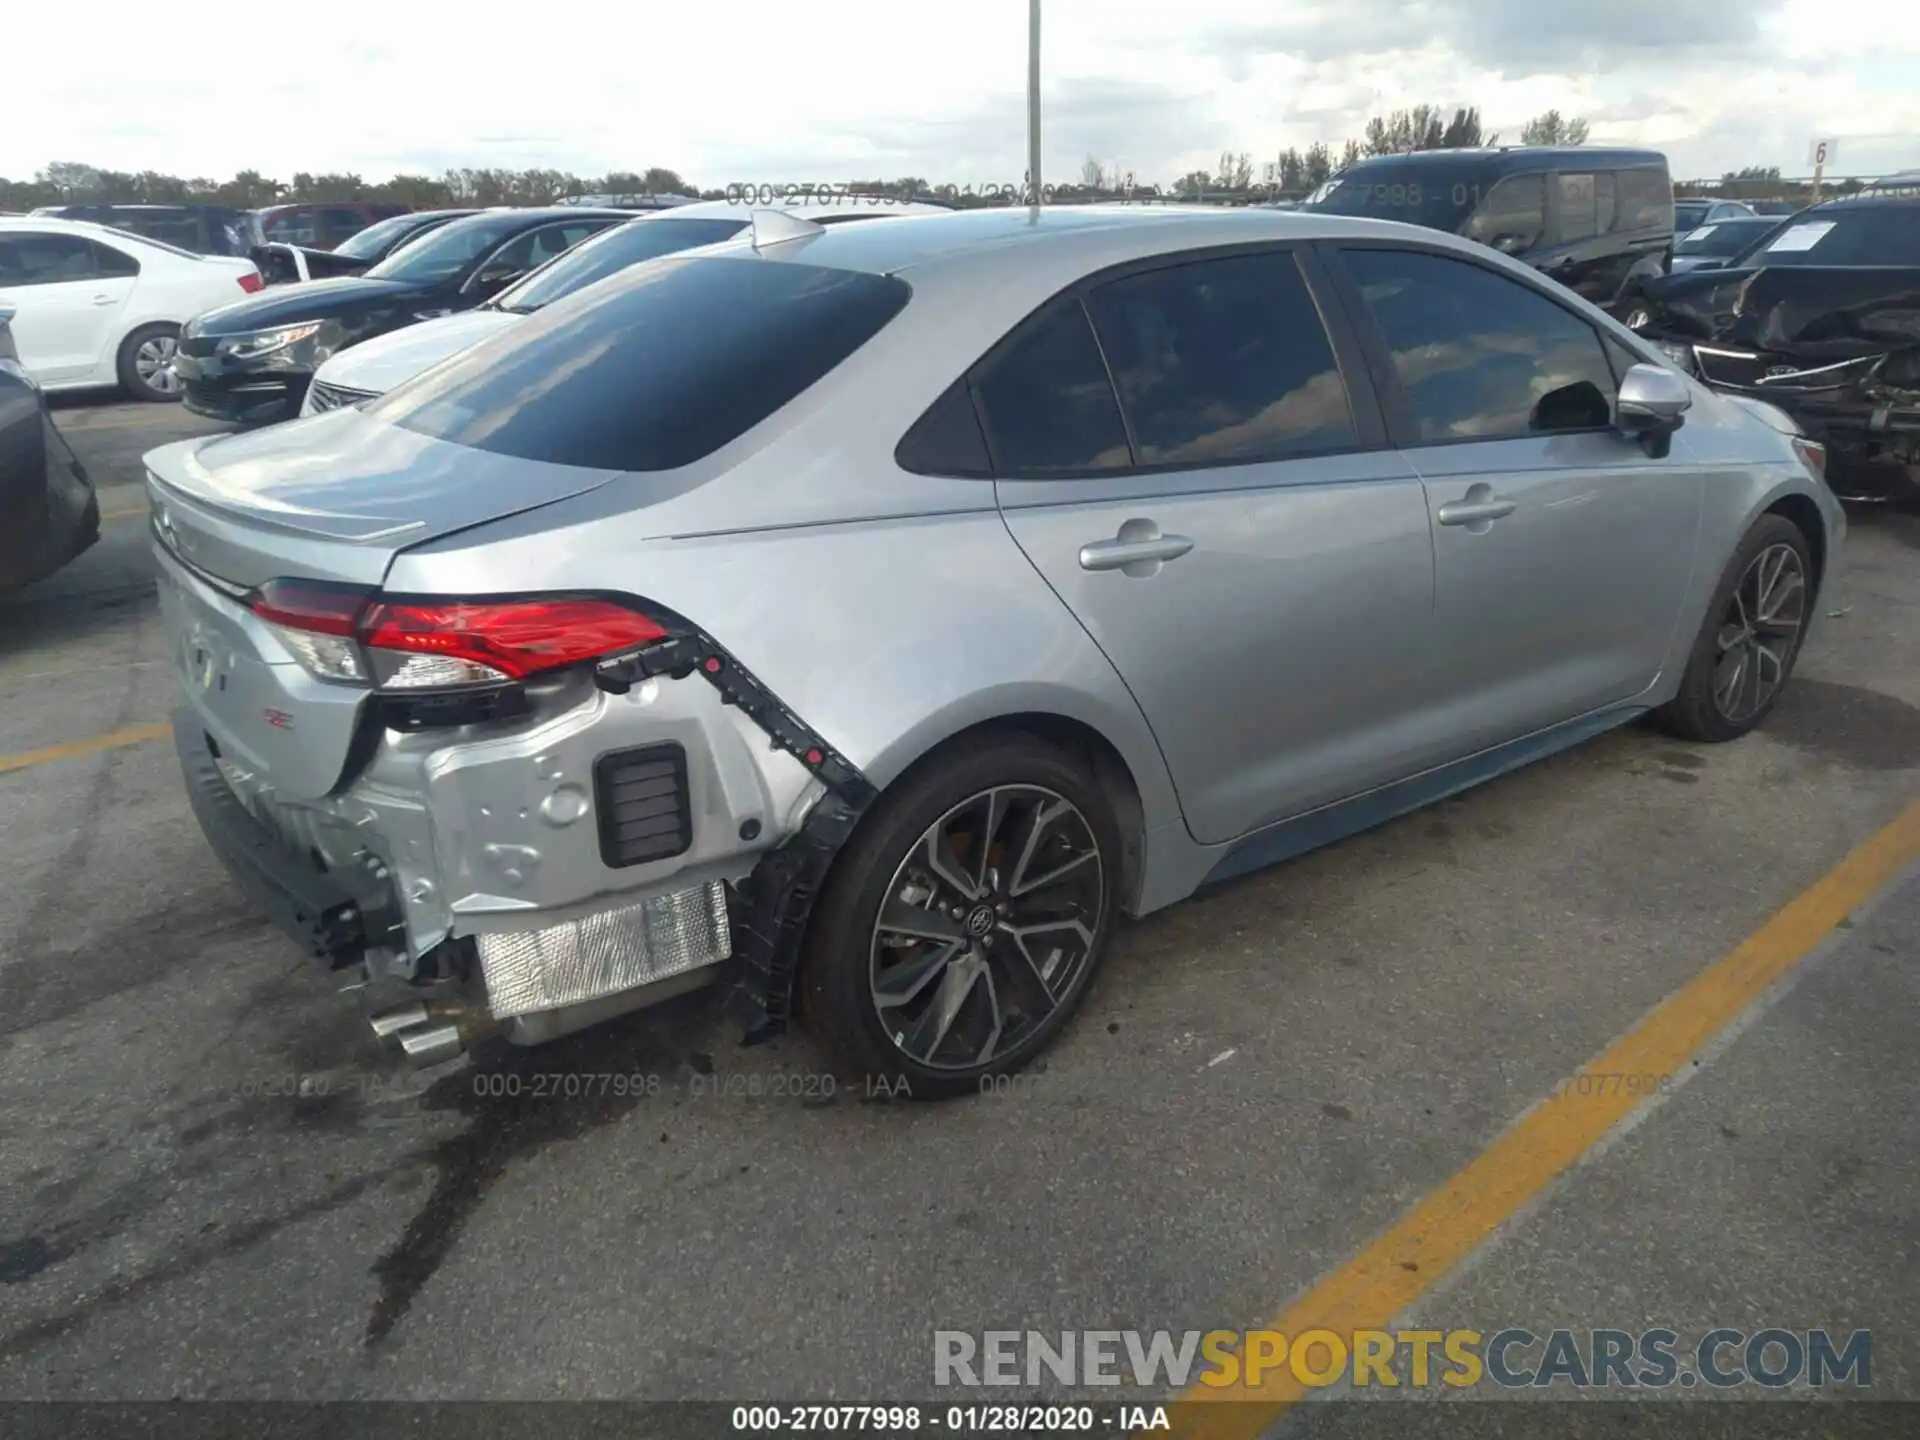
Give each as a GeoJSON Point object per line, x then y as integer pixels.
{"type": "Point", "coordinates": [430, 1045]}
{"type": "Point", "coordinates": [431, 1033]}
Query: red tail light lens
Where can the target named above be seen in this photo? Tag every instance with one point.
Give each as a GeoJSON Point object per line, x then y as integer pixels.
{"type": "Point", "coordinates": [422, 644]}
{"type": "Point", "coordinates": [341, 633]}
{"type": "Point", "coordinates": [251, 282]}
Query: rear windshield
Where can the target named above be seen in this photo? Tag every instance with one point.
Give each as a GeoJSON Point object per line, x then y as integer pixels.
{"type": "Point", "coordinates": [608, 254]}
{"type": "Point", "coordinates": [1868, 234]}
{"type": "Point", "coordinates": [372, 241]}
{"type": "Point", "coordinates": [1722, 237]}
{"type": "Point", "coordinates": [445, 252]}
{"type": "Point", "coordinates": [656, 368]}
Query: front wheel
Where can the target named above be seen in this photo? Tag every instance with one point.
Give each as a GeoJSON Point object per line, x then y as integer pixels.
{"type": "Point", "coordinates": [963, 924]}
{"type": "Point", "coordinates": [1751, 637]}
{"type": "Point", "coordinates": [145, 363]}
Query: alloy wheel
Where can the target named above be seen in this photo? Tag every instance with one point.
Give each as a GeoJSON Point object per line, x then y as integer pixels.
{"type": "Point", "coordinates": [1759, 633]}
{"type": "Point", "coordinates": [153, 363]}
{"type": "Point", "coordinates": [987, 926]}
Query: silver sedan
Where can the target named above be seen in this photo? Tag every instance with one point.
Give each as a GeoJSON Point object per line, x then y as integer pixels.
{"type": "Point", "coordinates": [869, 618]}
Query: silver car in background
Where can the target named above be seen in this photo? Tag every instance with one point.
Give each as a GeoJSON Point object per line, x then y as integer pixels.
{"type": "Point", "coordinates": [867, 619]}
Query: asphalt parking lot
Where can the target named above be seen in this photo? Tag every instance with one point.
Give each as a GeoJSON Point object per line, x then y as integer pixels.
{"type": "Point", "coordinates": [217, 1187]}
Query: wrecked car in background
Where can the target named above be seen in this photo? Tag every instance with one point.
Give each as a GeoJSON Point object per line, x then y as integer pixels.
{"type": "Point", "coordinates": [283, 262]}
{"type": "Point", "coordinates": [1821, 318]}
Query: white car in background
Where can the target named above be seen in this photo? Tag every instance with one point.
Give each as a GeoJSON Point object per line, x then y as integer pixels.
{"type": "Point", "coordinates": [95, 306]}
{"type": "Point", "coordinates": [373, 367]}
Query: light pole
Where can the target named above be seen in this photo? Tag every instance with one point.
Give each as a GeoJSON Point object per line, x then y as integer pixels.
{"type": "Point", "coordinates": [1033, 100]}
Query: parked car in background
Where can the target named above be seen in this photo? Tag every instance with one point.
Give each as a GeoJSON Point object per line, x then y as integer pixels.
{"type": "Point", "coordinates": [1691, 213]}
{"type": "Point", "coordinates": [1821, 318]}
{"type": "Point", "coordinates": [319, 226]}
{"type": "Point", "coordinates": [1594, 219]}
{"type": "Point", "coordinates": [874, 615]}
{"type": "Point", "coordinates": [48, 511]}
{"type": "Point", "coordinates": [203, 229]}
{"type": "Point", "coordinates": [96, 306]}
{"type": "Point", "coordinates": [284, 263]}
{"type": "Point", "coordinates": [1717, 242]}
{"type": "Point", "coordinates": [1779, 209]}
{"type": "Point", "coordinates": [250, 364]}
{"type": "Point", "coordinates": [376, 366]}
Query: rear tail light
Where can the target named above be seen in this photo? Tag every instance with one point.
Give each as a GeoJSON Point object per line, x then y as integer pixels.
{"type": "Point", "coordinates": [317, 624]}
{"type": "Point", "coordinates": [429, 644]}
{"type": "Point", "coordinates": [251, 282]}
{"type": "Point", "coordinates": [349, 635]}
{"type": "Point", "coordinates": [1812, 454]}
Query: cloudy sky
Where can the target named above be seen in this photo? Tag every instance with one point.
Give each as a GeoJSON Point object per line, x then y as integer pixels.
{"type": "Point", "coordinates": [838, 89]}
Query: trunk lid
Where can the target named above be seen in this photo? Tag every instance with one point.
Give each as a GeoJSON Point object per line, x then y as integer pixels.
{"type": "Point", "coordinates": [332, 498]}
{"type": "Point", "coordinates": [335, 497]}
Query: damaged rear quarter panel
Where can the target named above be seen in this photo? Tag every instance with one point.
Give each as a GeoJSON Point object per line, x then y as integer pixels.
{"type": "Point", "coordinates": [886, 636]}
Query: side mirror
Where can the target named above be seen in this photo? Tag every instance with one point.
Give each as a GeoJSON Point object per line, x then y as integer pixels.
{"type": "Point", "coordinates": [1653, 404]}
{"type": "Point", "coordinates": [7, 312]}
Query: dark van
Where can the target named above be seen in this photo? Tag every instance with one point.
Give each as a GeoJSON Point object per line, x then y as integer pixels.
{"type": "Point", "coordinates": [1594, 219]}
{"type": "Point", "coordinates": [203, 229]}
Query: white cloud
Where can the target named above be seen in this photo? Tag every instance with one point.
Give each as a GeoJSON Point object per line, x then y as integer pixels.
{"type": "Point", "coordinates": [847, 88]}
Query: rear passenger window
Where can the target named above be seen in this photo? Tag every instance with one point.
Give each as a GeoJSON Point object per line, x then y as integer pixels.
{"type": "Point", "coordinates": [1479, 356]}
{"type": "Point", "coordinates": [1578, 218]}
{"type": "Point", "coordinates": [1513, 217]}
{"type": "Point", "coordinates": [1645, 199]}
{"type": "Point", "coordinates": [1047, 402]}
{"type": "Point", "coordinates": [29, 258]}
{"type": "Point", "coordinates": [113, 263]}
{"type": "Point", "coordinates": [1222, 360]}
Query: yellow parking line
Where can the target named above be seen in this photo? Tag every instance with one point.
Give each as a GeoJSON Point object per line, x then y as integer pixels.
{"type": "Point", "coordinates": [1445, 1227]}
{"type": "Point", "coordinates": [113, 740]}
{"type": "Point", "coordinates": [125, 512]}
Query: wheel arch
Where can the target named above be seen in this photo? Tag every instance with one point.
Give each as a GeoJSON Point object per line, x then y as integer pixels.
{"type": "Point", "coordinates": [1806, 517]}
{"type": "Point", "coordinates": [1111, 771]}
{"type": "Point", "coordinates": [1125, 758]}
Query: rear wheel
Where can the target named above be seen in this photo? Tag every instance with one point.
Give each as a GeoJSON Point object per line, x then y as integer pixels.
{"type": "Point", "coordinates": [1747, 646]}
{"type": "Point", "coordinates": [145, 363]}
{"type": "Point", "coordinates": [963, 923]}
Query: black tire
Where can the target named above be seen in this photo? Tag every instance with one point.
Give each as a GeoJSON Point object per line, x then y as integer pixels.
{"type": "Point", "coordinates": [840, 966]}
{"type": "Point", "coordinates": [1697, 712]}
{"type": "Point", "coordinates": [135, 357]}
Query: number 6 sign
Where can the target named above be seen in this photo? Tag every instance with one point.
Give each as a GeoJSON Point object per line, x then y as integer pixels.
{"type": "Point", "coordinates": [1823, 153]}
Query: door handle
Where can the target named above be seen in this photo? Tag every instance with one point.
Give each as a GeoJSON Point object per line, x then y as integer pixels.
{"type": "Point", "coordinates": [1127, 551]}
{"type": "Point", "coordinates": [1471, 512]}
{"type": "Point", "coordinates": [105, 300]}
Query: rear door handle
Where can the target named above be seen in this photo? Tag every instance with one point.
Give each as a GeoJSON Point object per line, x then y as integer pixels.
{"type": "Point", "coordinates": [105, 300]}
{"type": "Point", "coordinates": [1470, 512]}
{"type": "Point", "coordinates": [1122, 553]}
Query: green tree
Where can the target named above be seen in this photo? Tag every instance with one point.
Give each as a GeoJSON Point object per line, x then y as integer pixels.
{"type": "Point", "coordinates": [1551, 128]}
{"type": "Point", "coordinates": [1463, 132]}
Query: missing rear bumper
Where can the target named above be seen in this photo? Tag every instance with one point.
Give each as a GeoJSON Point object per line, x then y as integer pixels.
{"type": "Point", "coordinates": [331, 921]}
